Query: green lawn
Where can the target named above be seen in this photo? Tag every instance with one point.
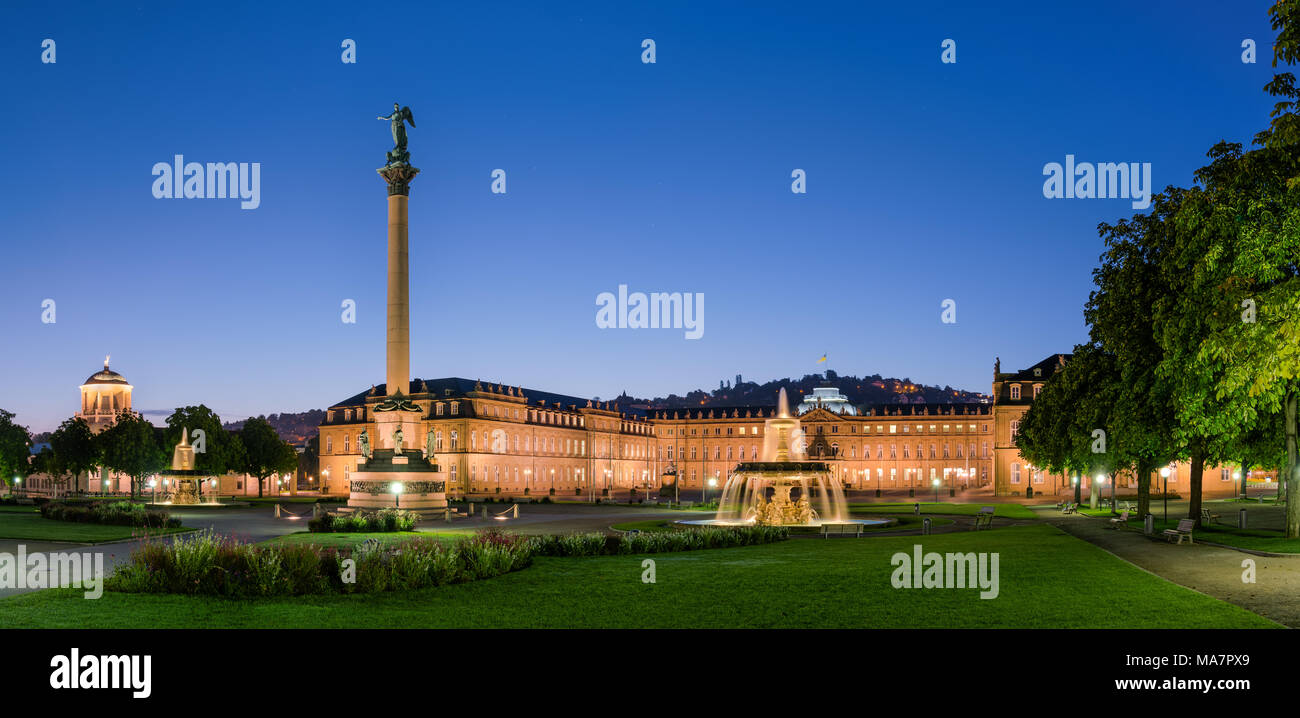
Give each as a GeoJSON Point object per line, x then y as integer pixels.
{"type": "Point", "coordinates": [348, 540]}
{"type": "Point", "coordinates": [32, 527]}
{"type": "Point", "coordinates": [287, 499]}
{"type": "Point", "coordinates": [1270, 540]}
{"type": "Point", "coordinates": [1047, 580]}
{"type": "Point", "coordinates": [1009, 511]}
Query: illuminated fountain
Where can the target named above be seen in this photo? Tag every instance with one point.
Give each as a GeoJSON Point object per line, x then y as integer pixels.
{"type": "Point", "coordinates": [784, 489]}
{"type": "Point", "coordinates": [184, 481]}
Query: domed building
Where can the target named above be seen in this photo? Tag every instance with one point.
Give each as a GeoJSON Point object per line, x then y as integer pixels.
{"type": "Point", "coordinates": [103, 395]}
{"type": "Point", "coordinates": [828, 397]}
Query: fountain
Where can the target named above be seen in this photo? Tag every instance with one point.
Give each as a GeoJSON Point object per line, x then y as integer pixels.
{"type": "Point", "coordinates": [784, 488]}
{"type": "Point", "coordinates": [183, 480]}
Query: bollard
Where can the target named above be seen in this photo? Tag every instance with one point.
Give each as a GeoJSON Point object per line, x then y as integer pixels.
{"type": "Point", "coordinates": [485, 511]}
{"type": "Point", "coordinates": [1149, 525]}
{"type": "Point", "coordinates": [516, 510]}
{"type": "Point", "coordinates": [277, 511]}
{"type": "Point", "coordinates": [916, 509]}
{"type": "Point", "coordinates": [446, 514]}
{"type": "Point", "coordinates": [925, 526]}
{"type": "Point", "coordinates": [1241, 519]}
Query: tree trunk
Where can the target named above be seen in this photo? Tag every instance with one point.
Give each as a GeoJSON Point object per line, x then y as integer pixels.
{"type": "Point", "coordinates": [1078, 492]}
{"type": "Point", "coordinates": [1245, 469]}
{"type": "Point", "coordinates": [1194, 500]}
{"type": "Point", "coordinates": [259, 486]}
{"type": "Point", "coordinates": [1292, 486]}
{"type": "Point", "coordinates": [1144, 489]}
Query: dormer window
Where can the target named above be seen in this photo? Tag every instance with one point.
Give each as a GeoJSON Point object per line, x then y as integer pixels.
{"type": "Point", "coordinates": [1015, 391]}
{"type": "Point", "coordinates": [1038, 371]}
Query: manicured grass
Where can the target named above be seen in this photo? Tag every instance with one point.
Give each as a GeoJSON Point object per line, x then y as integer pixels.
{"type": "Point", "coordinates": [286, 499]}
{"type": "Point", "coordinates": [349, 540]}
{"type": "Point", "coordinates": [902, 521]}
{"type": "Point", "coordinates": [32, 527]}
{"type": "Point", "coordinates": [1009, 511]}
{"type": "Point", "coordinates": [651, 525]}
{"type": "Point", "coordinates": [1047, 580]}
{"type": "Point", "coordinates": [19, 509]}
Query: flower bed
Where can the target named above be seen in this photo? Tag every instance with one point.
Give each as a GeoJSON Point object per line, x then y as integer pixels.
{"type": "Point", "coordinates": [596, 544]}
{"type": "Point", "coordinates": [383, 520]}
{"type": "Point", "coordinates": [113, 513]}
{"type": "Point", "coordinates": [212, 565]}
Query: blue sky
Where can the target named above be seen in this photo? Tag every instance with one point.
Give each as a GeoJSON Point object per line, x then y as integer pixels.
{"type": "Point", "coordinates": [924, 183]}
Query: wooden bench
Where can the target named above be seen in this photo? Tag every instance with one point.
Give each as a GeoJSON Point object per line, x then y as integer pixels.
{"type": "Point", "coordinates": [1184, 529]}
{"type": "Point", "coordinates": [841, 530]}
{"type": "Point", "coordinates": [1208, 517]}
{"type": "Point", "coordinates": [984, 518]}
{"type": "Point", "coordinates": [1120, 521]}
{"type": "Point", "coordinates": [1070, 508]}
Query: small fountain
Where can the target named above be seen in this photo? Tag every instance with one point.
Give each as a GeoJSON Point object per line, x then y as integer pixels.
{"type": "Point", "coordinates": [784, 489]}
{"type": "Point", "coordinates": [184, 482]}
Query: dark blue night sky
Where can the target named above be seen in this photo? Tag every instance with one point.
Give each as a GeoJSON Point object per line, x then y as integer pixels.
{"type": "Point", "coordinates": [924, 183]}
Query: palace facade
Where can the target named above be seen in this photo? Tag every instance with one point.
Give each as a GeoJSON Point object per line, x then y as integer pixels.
{"type": "Point", "coordinates": [502, 440]}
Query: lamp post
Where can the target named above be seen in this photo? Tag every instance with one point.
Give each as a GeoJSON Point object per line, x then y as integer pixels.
{"type": "Point", "coordinates": [1164, 474]}
{"type": "Point", "coordinates": [17, 483]}
{"type": "Point", "coordinates": [704, 495]}
{"type": "Point", "coordinates": [396, 488]}
{"type": "Point", "coordinates": [936, 491]}
{"type": "Point", "coordinates": [153, 484]}
{"type": "Point", "coordinates": [1236, 476]}
{"type": "Point", "coordinates": [1074, 481]}
{"type": "Point", "coordinates": [325, 473]}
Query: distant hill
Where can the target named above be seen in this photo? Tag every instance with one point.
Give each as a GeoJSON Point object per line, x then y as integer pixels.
{"type": "Point", "coordinates": [293, 428]}
{"type": "Point", "coordinates": [873, 389]}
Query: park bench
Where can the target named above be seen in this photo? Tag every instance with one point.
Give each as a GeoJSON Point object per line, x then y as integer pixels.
{"type": "Point", "coordinates": [841, 530]}
{"type": "Point", "coordinates": [1208, 517]}
{"type": "Point", "coordinates": [1184, 529]}
{"type": "Point", "coordinates": [1070, 508]}
{"type": "Point", "coordinates": [1120, 521]}
{"type": "Point", "coordinates": [984, 518]}
{"type": "Point", "coordinates": [1129, 506]}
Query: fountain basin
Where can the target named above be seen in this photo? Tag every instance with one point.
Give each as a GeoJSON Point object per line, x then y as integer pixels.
{"type": "Point", "coordinates": [812, 522]}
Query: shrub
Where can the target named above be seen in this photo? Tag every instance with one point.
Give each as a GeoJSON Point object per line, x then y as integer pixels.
{"type": "Point", "coordinates": [207, 564]}
{"type": "Point", "coordinates": [381, 521]}
{"type": "Point", "coordinates": [113, 513]}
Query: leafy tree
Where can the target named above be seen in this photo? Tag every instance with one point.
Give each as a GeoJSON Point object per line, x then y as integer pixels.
{"type": "Point", "coordinates": [1056, 432]}
{"type": "Point", "coordinates": [45, 462]}
{"type": "Point", "coordinates": [1141, 433]}
{"type": "Point", "coordinates": [130, 447]}
{"type": "Point", "coordinates": [15, 448]}
{"type": "Point", "coordinates": [74, 447]}
{"type": "Point", "coordinates": [265, 453]}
